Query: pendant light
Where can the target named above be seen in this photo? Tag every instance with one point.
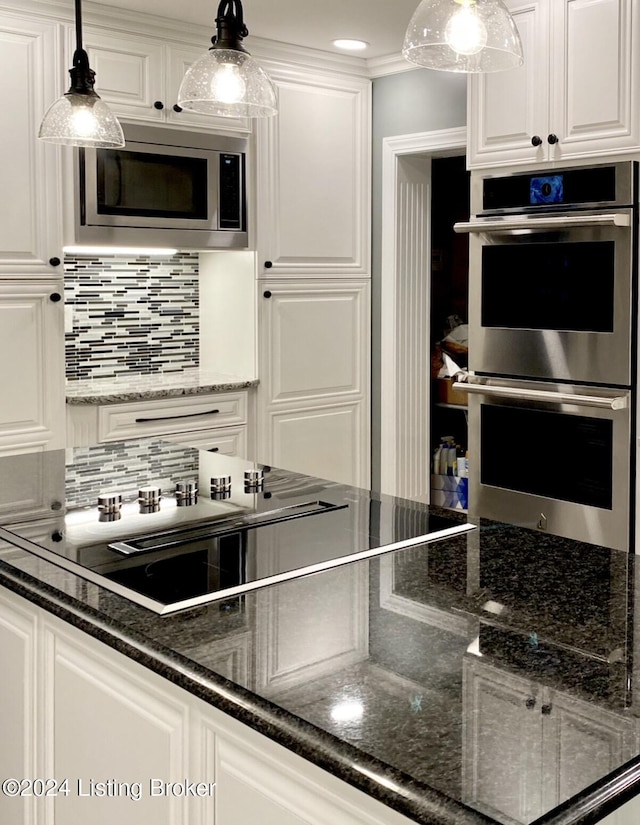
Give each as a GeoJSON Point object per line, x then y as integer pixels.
{"type": "Point", "coordinates": [226, 80]}
{"type": "Point", "coordinates": [80, 117]}
{"type": "Point", "coordinates": [463, 36]}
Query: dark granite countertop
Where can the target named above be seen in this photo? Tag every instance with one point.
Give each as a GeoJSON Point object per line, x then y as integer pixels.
{"type": "Point", "coordinates": [452, 649]}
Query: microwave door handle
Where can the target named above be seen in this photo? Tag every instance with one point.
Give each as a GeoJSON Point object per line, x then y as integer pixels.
{"type": "Point", "coordinates": [604, 402]}
{"type": "Point", "coordinates": [508, 226]}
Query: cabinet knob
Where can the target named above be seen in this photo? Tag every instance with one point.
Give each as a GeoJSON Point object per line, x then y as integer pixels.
{"type": "Point", "coordinates": [57, 536]}
{"type": "Point", "coordinates": [546, 709]}
{"type": "Point", "coordinates": [158, 104]}
{"type": "Point", "coordinates": [552, 139]}
{"type": "Point", "coordinates": [177, 108]}
{"type": "Point", "coordinates": [267, 293]}
{"type": "Point", "coordinates": [536, 140]}
{"type": "Point", "coordinates": [54, 261]}
{"type": "Point", "coordinates": [530, 703]}
{"type": "Point", "coordinates": [268, 264]}
{"type": "Point", "coordinates": [55, 297]}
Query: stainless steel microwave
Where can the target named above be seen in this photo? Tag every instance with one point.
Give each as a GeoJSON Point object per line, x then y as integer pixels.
{"type": "Point", "coordinates": [164, 188]}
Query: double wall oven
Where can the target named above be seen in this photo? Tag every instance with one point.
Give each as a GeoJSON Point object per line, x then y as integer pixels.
{"type": "Point", "coordinates": [552, 338]}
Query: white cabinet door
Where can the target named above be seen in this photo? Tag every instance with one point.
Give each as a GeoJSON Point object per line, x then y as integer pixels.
{"type": "Point", "coordinates": [30, 181]}
{"type": "Point", "coordinates": [140, 77]}
{"type": "Point", "coordinates": [313, 188]}
{"type": "Point", "coordinates": [575, 96]}
{"type": "Point", "coordinates": [328, 442]}
{"type": "Point", "coordinates": [17, 702]}
{"type": "Point", "coordinates": [314, 341]}
{"type": "Point", "coordinates": [593, 107]}
{"type": "Point", "coordinates": [104, 724]}
{"type": "Point", "coordinates": [32, 368]}
{"type": "Point", "coordinates": [314, 378]}
{"type": "Point", "coordinates": [506, 110]}
{"type": "Point", "coordinates": [129, 71]}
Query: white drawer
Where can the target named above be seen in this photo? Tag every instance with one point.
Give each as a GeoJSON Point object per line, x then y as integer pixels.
{"type": "Point", "coordinates": [168, 416]}
{"type": "Point", "coordinates": [226, 440]}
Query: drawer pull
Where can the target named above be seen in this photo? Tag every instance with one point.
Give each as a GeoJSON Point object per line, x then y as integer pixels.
{"type": "Point", "coordinates": [175, 417]}
{"type": "Point", "coordinates": [213, 449]}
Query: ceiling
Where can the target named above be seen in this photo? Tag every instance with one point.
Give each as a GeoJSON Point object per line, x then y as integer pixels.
{"type": "Point", "coordinates": [310, 23]}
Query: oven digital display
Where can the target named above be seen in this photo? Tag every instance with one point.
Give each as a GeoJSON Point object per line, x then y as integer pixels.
{"type": "Point", "coordinates": [547, 189]}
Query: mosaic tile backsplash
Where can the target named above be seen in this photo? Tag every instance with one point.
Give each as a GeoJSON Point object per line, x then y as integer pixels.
{"type": "Point", "coordinates": [131, 315]}
{"type": "Point", "coordinates": [128, 466]}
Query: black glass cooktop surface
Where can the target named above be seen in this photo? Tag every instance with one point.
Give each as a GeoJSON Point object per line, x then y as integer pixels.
{"type": "Point", "coordinates": [118, 515]}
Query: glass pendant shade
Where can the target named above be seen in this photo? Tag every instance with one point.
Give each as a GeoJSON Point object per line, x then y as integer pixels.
{"type": "Point", "coordinates": [80, 117]}
{"type": "Point", "coordinates": [226, 80]}
{"type": "Point", "coordinates": [463, 36]}
{"type": "Point", "coordinates": [229, 83]}
{"type": "Point", "coordinates": [81, 120]}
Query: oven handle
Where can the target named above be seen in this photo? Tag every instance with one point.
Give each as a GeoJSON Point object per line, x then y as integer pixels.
{"type": "Point", "coordinates": [513, 225]}
{"type": "Point", "coordinates": [620, 402]}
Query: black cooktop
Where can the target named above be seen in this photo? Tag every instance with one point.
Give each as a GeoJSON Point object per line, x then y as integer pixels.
{"type": "Point", "coordinates": [120, 518]}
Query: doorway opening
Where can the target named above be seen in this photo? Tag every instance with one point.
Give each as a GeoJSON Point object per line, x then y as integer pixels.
{"type": "Point", "coordinates": [422, 178]}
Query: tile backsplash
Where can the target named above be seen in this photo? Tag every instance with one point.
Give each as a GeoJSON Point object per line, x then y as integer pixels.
{"type": "Point", "coordinates": [131, 315]}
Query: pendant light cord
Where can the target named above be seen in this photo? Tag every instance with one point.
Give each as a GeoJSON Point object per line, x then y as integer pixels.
{"type": "Point", "coordinates": [78, 25]}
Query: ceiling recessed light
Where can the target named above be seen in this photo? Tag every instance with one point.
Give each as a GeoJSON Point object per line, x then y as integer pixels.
{"type": "Point", "coordinates": [352, 45]}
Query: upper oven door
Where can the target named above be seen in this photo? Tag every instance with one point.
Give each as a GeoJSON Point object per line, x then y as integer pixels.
{"type": "Point", "coordinates": [551, 296]}
{"type": "Point", "coordinates": [555, 457]}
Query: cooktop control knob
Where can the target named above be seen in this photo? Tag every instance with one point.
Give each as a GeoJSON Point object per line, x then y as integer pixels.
{"type": "Point", "coordinates": [186, 493]}
{"type": "Point", "coordinates": [109, 507]}
{"type": "Point", "coordinates": [220, 487]}
{"type": "Point", "coordinates": [149, 499]}
{"type": "Point", "coordinates": [253, 481]}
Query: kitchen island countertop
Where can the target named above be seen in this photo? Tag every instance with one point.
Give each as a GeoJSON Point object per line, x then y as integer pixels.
{"type": "Point", "coordinates": [417, 714]}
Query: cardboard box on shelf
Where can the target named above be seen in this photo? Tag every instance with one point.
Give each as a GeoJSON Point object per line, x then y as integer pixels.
{"type": "Point", "coordinates": [445, 394]}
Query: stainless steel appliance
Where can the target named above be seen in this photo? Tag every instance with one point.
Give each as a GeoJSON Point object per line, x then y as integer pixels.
{"type": "Point", "coordinates": [165, 187]}
{"type": "Point", "coordinates": [552, 290]}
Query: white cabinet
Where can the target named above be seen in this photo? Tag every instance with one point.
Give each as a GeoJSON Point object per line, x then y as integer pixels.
{"type": "Point", "coordinates": [17, 700]}
{"type": "Point", "coordinates": [313, 396]}
{"type": "Point", "coordinates": [103, 724]}
{"type": "Point", "coordinates": [30, 223]}
{"type": "Point", "coordinates": [218, 422]}
{"type": "Point", "coordinates": [576, 94]}
{"type": "Point", "coordinates": [32, 366]}
{"type": "Point", "coordinates": [140, 77]}
{"type": "Point", "coordinates": [526, 748]}
{"type": "Point", "coordinates": [313, 184]}
{"type": "Point", "coordinates": [73, 708]}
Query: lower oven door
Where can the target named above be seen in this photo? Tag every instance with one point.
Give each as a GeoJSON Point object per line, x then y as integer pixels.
{"type": "Point", "coordinates": [551, 457]}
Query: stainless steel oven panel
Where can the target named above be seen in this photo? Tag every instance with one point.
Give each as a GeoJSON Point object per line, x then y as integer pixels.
{"type": "Point", "coordinates": [624, 182]}
{"type": "Point", "coordinates": [555, 354]}
{"type": "Point", "coordinates": [591, 524]}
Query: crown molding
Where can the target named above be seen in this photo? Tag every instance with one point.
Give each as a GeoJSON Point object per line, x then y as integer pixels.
{"type": "Point", "coordinates": [390, 64]}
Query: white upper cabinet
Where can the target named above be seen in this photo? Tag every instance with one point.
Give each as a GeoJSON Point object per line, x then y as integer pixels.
{"type": "Point", "coordinates": [313, 162]}
{"type": "Point", "coordinates": [32, 369]}
{"type": "Point", "coordinates": [576, 94]}
{"type": "Point", "coordinates": [140, 77]}
{"type": "Point", "coordinates": [30, 224]}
